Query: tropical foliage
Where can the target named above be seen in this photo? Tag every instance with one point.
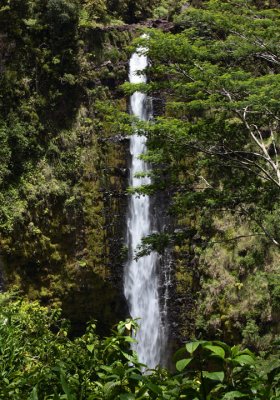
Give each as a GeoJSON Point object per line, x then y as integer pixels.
{"type": "Point", "coordinates": [39, 361]}
{"type": "Point", "coordinates": [215, 153]}
{"type": "Point", "coordinates": [220, 76]}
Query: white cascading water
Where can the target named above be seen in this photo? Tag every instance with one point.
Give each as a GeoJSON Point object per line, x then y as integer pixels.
{"type": "Point", "coordinates": [140, 280]}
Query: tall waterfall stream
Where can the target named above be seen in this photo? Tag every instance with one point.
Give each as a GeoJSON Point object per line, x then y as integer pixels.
{"type": "Point", "coordinates": [140, 279]}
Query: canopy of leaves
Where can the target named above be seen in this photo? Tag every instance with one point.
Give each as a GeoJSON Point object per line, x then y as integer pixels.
{"type": "Point", "coordinates": [219, 136]}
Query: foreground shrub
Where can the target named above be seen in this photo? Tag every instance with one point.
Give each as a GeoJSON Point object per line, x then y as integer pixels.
{"type": "Point", "coordinates": [39, 362]}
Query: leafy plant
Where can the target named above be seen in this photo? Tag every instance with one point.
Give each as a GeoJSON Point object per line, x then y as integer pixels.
{"type": "Point", "coordinates": [39, 361]}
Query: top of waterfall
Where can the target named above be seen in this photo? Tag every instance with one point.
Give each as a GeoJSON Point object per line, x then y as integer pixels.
{"type": "Point", "coordinates": [137, 64]}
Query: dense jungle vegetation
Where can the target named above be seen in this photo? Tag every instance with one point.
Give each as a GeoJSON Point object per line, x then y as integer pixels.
{"type": "Point", "coordinates": [214, 146]}
{"type": "Point", "coordinates": [38, 361]}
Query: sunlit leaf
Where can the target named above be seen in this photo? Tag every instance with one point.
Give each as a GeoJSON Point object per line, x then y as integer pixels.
{"type": "Point", "coordinates": [244, 359]}
{"type": "Point", "coordinates": [192, 346]}
{"type": "Point", "coordinates": [180, 365]}
{"type": "Point", "coordinates": [127, 396]}
{"type": "Point", "coordinates": [234, 395]}
{"type": "Point", "coordinates": [217, 350]}
{"type": "Point", "coordinates": [128, 326]}
{"type": "Point", "coordinates": [214, 376]}
{"type": "Point", "coordinates": [90, 347]}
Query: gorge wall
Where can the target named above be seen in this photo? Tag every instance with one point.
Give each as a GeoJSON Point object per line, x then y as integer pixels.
{"type": "Point", "coordinates": [63, 203]}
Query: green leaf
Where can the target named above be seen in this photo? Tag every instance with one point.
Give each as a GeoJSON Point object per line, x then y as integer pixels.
{"type": "Point", "coordinates": [137, 377]}
{"type": "Point", "coordinates": [217, 350]}
{"type": "Point", "coordinates": [65, 386]}
{"type": "Point", "coordinates": [127, 396]}
{"type": "Point", "coordinates": [90, 347]}
{"type": "Point", "coordinates": [128, 326]}
{"type": "Point", "coordinates": [235, 350]}
{"type": "Point", "coordinates": [214, 376]}
{"type": "Point", "coordinates": [192, 346]}
{"type": "Point", "coordinates": [129, 339]}
{"type": "Point", "coordinates": [5, 8]}
{"type": "Point", "coordinates": [154, 388]}
{"type": "Point", "coordinates": [233, 395]}
{"type": "Point", "coordinates": [109, 386]}
{"type": "Point", "coordinates": [179, 354]}
{"type": "Point", "coordinates": [180, 365]}
{"type": "Point", "coordinates": [34, 394]}
{"type": "Point", "coordinates": [244, 359]}
{"type": "Point", "coordinates": [223, 345]}
{"type": "Point", "coordinates": [30, 22]}
{"type": "Point", "coordinates": [129, 357]}
{"type": "Point", "coordinates": [141, 392]}
{"type": "Point", "coordinates": [273, 366]}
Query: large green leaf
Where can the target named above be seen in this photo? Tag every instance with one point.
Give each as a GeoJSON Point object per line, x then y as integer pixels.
{"type": "Point", "coordinates": [179, 354]}
{"type": "Point", "coordinates": [180, 365]}
{"type": "Point", "coordinates": [217, 350]}
{"type": "Point", "coordinates": [128, 325]}
{"type": "Point", "coordinates": [235, 350]}
{"type": "Point", "coordinates": [214, 376]}
{"type": "Point", "coordinates": [129, 357]}
{"type": "Point", "coordinates": [66, 387]}
{"type": "Point", "coordinates": [34, 394]}
{"type": "Point", "coordinates": [234, 395]}
{"type": "Point", "coordinates": [127, 396]}
{"type": "Point", "coordinates": [109, 388]}
{"type": "Point", "coordinates": [192, 346]}
{"type": "Point", "coordinates": [137, 377]}
{"type": "Point", "coordinates": [222, 344]}
{"type": "Point", "coordinates": [244, 359]}
{"type": "Point", "coordinates": [90, 347]}
{"type": "Point", "coordinates": [154, 388]}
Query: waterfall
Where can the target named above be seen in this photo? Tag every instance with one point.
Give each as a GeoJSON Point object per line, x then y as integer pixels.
{"type": "Point", "coordinates": [141, 280]}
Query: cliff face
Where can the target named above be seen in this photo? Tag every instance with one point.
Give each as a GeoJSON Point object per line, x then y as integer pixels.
{"type": "Point", "coordinates": [63, 196]}
{"type": "Point", "coordinates": [64, 154]}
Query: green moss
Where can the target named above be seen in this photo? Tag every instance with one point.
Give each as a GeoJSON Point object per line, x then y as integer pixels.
{"type": "Point", "coordinates": [56, 219]}
{"type": "Point", "coordinates": [184, 279]}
